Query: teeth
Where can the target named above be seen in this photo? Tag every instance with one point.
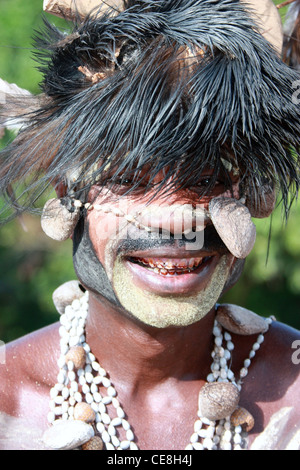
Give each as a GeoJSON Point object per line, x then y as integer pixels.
{"type": "Point", "coordinates": [168, 265]}
{"type": "Point", "coordinates": [171, 266]}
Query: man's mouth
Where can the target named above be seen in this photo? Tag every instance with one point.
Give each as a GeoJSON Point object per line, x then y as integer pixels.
{"type": "Point", "coordinates": [170, 266]}
{"type": "Point", "coordinates": [171, 275]}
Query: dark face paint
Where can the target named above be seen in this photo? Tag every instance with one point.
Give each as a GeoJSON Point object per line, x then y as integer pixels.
{"type": "Point", "coordinates": [87, 266]}
{"type": "Point", "coordinates": [234, 275]}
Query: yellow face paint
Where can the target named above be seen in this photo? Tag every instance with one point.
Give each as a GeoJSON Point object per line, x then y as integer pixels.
{"type": "Point", "coordinates": [173, 310]}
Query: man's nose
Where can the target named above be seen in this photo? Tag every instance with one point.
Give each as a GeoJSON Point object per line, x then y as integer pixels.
{"type": "Point", "coordinates": [177, 219]}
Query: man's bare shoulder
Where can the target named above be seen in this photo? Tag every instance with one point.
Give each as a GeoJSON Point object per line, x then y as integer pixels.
{"type": "Point", "coordinates": [30, 358]}
{"type": "Point", "coordinates": [282, 346]}
{"type": "Point", "coordinates": [274, 387]}
{"type": "Point", "coordinates": [27, 372]}
{"type": "Point", "coordinates": [277, 365]}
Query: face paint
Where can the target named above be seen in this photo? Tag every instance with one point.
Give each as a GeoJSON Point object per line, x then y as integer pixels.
{"type": "Point", "coordinates": [88, 268]}
{"type": "Point", "coordinates": [114, 282]}
{"type": "Point", "coordinates": [173, 310]}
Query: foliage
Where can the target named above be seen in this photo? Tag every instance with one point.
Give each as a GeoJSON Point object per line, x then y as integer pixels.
{"type": "Point", "coordinates": [19, 20]}
{"type": "Point", "coordinates": [32, 266]}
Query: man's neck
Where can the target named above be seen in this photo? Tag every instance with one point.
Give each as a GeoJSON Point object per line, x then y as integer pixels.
{"type": "Point", "coordinates": [140, 357]}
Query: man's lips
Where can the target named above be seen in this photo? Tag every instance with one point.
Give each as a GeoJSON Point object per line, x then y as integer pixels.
{"type": "Point", "coordinates": [165, 275]}
{"type": "Point", "coordinates": [170, 266]}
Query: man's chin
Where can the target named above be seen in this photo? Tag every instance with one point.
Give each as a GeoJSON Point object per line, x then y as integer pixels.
{"type": "Point", "coordinates": [165, 300]}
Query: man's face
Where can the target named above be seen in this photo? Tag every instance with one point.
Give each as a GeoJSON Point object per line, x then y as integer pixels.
{"type": "Point", "coordinates": [164, 262]}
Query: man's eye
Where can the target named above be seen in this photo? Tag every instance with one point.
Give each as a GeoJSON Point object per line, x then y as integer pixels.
{"type": "Point", "coordinates": [121, 181]}
{"type": "Point", "coordinates": [204, 182]}
{"type": "Point", "coordinates": [208, 182]}
{"type": "Point", "coordinates": [130, 182]}
{"type": "Point", "coordinates": [127, 182]}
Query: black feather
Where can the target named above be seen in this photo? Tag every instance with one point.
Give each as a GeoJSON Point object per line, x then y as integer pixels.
{"type": "Point", "coordinates": [179, 85]}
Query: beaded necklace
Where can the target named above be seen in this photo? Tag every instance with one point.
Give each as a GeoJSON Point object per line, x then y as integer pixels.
{"type": "Point", "coordinates": [82, 415]}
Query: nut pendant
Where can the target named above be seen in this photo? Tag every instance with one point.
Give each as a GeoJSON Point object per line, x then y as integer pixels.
{"type": "Point", "coordinates": [218, 400]}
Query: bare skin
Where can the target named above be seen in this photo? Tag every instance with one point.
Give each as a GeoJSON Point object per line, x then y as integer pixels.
{"type": "Point", "coordinates": [150, 380]}
{"type": "Point", "coordinates": [157, 372]}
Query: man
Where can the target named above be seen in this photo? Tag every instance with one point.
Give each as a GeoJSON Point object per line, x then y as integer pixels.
{"type": "Point", "coordinates": [163, 127]}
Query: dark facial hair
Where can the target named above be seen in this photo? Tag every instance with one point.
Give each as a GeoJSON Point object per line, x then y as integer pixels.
{"type": "Point", "coordinates": [211, 243]}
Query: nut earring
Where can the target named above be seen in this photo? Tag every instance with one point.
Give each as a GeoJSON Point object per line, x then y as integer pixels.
{"type": "Point", "coordinates": [232, 221]}
{"type": "Point", "coordinates": [59, 222]}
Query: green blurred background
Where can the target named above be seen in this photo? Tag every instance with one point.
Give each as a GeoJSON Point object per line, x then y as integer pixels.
{"type": "Point", "coordinates": [32, 266]}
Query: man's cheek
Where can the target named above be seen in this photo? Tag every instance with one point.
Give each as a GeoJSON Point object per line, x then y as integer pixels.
{"type": "Point", "coordinates": [235, 273]}
{"type": "Point", "coordinates": [88, 266]}
{"type": "Point", "coordinates": [104, 228]}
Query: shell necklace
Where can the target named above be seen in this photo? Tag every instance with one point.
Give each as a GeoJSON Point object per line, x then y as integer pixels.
{"type": "Point", "coordinates": [85, 411]}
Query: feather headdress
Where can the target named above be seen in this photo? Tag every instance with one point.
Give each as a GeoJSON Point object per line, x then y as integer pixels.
{"type": "Point", "coordinates": [173, 85]}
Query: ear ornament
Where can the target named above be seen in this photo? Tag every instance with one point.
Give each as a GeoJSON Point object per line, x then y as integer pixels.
{"type": "Point", "coordinates": [60, 217]}
{"type": "Point", "coordinates": [232, 220]}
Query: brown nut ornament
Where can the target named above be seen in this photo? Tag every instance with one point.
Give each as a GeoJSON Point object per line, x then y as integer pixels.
{"type": "Point", "coordinates": [65, 294]}
{"type": "Point", "coordinates": [240, 321]}
{"type": "Point", "coordinates": [57, 221]}
{"type": "Point", "coordinates": [84, 412]}
{"type": "Point", "coordinates": [77, 355]}
{"type": "Point", "coordinates": [265, 205]}
{"type": "Point", "coordinates": [232, 221]}
{"type": "Point", "coordinates": [242, 417]}
{"type": "Point", "coordinates": [218, 400]}
{"type": "Point", "coordinates": [95, 443]}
